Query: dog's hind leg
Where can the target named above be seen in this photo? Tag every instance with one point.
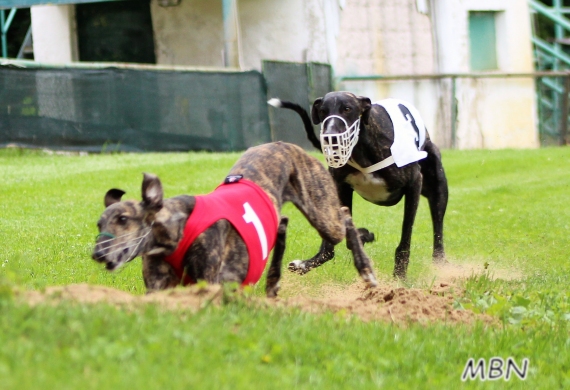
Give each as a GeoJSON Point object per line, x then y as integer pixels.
{"type": "Point", "coordinates": [274, 272]}
{"type": "Point", "coordinates": [361, 260]}
{"type": "Point", "coordinates": [434, 188]}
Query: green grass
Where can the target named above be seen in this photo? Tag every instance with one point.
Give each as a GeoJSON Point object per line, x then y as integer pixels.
{"type": "Point", "coordinates": [507, 208]}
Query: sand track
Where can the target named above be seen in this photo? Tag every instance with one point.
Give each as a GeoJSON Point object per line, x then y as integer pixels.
{"type": "Point", "coordinates": [386, 303]}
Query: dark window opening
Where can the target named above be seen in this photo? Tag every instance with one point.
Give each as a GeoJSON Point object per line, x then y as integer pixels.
{"type": "Point", "coordinates": [115, 32]}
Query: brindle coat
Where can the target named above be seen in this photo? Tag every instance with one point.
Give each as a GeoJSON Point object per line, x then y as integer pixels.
{"type": "Point", "coordinates": [385, 187]}
{"type": "Point", "coordinates": [153, 228]}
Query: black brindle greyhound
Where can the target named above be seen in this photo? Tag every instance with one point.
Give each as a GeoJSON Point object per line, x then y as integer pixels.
{"type": "Point", "coordinates": [154, 227]}
{"type": "Point", "coordinates": [384, 187]}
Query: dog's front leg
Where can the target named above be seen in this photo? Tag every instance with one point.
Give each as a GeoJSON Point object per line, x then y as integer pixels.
{"type": "Point", "coordinates": [274, 272]}
{"type": "Point", "coordinates": [361, 260]}
{"type": "Point", "coordinates": [158, 274]}
{"type": "Point", "coordinates": [345, 193]}
{"type": "Point", "coordinates": [301, 267]}
{"type": "Point", "coordinates": [412, 201]}
{"type": "Point", "coordinates": [326, 251]}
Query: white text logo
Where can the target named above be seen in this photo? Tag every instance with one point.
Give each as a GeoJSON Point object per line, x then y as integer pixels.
{"type": "Point", "coordinates": [496, 369]}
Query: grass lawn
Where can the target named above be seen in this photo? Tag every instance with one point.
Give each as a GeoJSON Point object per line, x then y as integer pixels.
{"type": "Point", "coordinates": [508, 211]}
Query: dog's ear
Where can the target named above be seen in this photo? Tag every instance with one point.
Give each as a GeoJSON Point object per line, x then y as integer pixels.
{"type": "Point", "coordinates": [114, 195]}
{"type": "Point", "coordinates": [315, 111]}
{"type": "Point", "coordinates": [152, 193]}
{"type": "Point", "coordinates": [365, 106]}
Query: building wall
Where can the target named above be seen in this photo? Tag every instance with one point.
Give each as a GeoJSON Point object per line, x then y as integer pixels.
{"type": "Point", "coordinates": [191, 33]}
{"type": "Point", "coordinates": [384, 37]}
{"type": "Point", "coordinates": [492, 113]}
{"type": "Point", "coordinates": [55, 41]}
{"type": "Point", "coordinates": [396, 38]}
{"type": "Point", "coordinates": [358, 37]}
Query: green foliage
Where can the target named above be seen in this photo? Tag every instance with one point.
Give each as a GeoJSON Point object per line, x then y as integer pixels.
{"type": "Point", "coordinates": [521, 304]}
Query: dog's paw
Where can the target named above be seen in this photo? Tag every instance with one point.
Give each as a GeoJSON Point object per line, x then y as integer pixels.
{"type": "Point", "coordinates": [298, 266]}
{"type": "Point", "coordinates": [271, 291]}
{"type": "Point", "coordinates": [439, 259]}
{"type": "Point", "coordinates": [365, 235]}
{"type": "Point", "coordinates": [370, 279]}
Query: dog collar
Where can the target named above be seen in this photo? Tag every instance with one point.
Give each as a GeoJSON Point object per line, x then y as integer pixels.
{"type": "Point", "coordinates": [372, 168]}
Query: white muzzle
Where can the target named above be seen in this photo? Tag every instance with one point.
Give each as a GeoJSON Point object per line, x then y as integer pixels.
{"type": "Point", "coordinates": [337, 148]}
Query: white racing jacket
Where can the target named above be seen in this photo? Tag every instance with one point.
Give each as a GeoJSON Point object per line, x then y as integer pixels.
{"type": "Point", "coordinates": [409, 131]}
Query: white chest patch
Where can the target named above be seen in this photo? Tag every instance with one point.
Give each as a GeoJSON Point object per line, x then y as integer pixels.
{"type": "Point", "coordinates": [371, 188]}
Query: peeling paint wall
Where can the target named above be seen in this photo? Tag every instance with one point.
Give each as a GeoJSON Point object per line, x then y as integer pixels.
{"type": "Point", "coordinates": [395, 38]}
{"type": "Point", "coordinates": [392, 38]}
{"type": "Point", "coordinates": [358, 37]}
{"type": "Point", "coordinates": [384, 37]}
{"type": "Point", "coordinates": [492, 113]}
{"type": "Point", "coordinates": [191, 33]}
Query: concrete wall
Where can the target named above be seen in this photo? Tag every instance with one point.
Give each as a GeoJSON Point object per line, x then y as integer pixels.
{"type": "Point", "coordinates": [492, 113]}
{"type": "Point", "coordinates": [55, 41]}
{"type": "Point", "coordinates": [395, 38]}
{"type": "Point", "coordinates": [358, 37]}
{"type": "Point", "coordinates": [392, 38]}
{"type": "Point", "coordinates": [54, 33]}
{"type": "Point", "coordinates": [191, 33]}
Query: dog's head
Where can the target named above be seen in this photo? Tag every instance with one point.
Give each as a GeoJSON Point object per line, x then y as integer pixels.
{"type": "Point", "coordinates": [129, 228]}
{"type": "Point", "coordinates": [343, 104]}
{"type": "Point", "coordinates": [340, 114]}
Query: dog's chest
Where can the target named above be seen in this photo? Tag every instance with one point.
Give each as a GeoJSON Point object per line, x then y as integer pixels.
{"type": "Point", "coordinates": [373, 189]}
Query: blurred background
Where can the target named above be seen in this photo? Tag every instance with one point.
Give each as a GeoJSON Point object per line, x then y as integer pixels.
{"type": "Point", "coordinates": [165, 75]}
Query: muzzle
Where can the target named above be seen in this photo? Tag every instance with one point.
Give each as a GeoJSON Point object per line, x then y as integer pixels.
{"type": "Point", "coordinates": [337, 148]}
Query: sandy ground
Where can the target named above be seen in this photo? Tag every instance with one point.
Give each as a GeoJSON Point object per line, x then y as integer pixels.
{"type": "Point", "coordinates": [389, 302]}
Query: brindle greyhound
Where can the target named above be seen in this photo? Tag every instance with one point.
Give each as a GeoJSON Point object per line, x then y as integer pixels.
{"type": "Point", "coordinates": [155, 227]}
{"type": "Point", "coordinates": [384, 187]}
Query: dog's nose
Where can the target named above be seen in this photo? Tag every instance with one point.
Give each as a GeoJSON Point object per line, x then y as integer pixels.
{"type": "Point", "coordinates": [98, 255]}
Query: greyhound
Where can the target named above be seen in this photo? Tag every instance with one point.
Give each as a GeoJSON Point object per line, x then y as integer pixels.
{"type": "Point", "coordinates": [219, 239]}
{"type": "Point", "coordinates": [356, 133]}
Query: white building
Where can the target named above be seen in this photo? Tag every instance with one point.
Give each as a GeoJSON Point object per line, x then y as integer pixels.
{"type": "Point", "coordinates": [357, 37]}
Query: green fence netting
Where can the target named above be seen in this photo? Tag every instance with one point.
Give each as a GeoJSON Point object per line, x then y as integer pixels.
{"type": "Point", "coordinates": [132, 110]}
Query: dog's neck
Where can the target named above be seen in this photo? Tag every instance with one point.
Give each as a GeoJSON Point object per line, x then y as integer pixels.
{"type": "Point", "coordinates": [169, 225]}
{"type": "Point", "coordinates": [368, 162]}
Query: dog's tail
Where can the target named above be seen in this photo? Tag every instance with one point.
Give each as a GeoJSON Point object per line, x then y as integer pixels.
{"type": "Point", "coordinates": [304, 117]}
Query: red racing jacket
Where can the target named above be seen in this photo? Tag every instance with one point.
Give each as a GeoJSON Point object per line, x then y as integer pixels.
{"type": "Point", "coordinates": [248, 208]}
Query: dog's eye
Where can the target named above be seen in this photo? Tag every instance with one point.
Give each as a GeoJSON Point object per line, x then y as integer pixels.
{"type": "Point", "coordinates": [122, 219]}
{"type": "Point", "coordinates": [347, 109]}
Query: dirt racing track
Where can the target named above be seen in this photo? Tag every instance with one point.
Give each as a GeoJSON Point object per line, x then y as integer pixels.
{"type": "Point", "coordinates": [387, 303]}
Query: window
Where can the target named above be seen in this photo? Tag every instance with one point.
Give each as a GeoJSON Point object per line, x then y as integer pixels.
{"type": "Point", "coordinates": [482, 40]}
{"type": "Point", "coordinates": [118, 31]}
